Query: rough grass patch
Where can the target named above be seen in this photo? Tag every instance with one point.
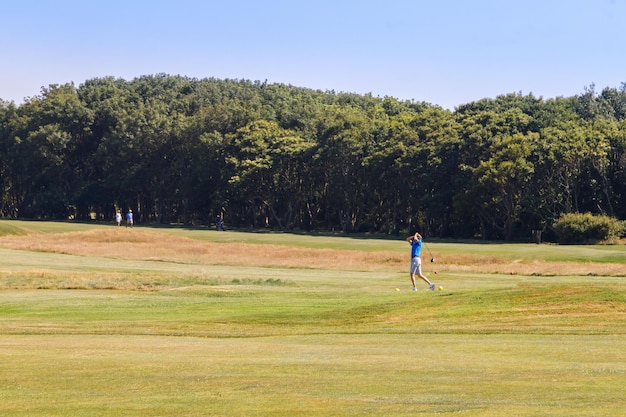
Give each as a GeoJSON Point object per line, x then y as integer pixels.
{"type": "Point", "coordinates": [7, 229]}
{"type": "Point", "coordinates": [145, 244]}
{"type": "Point", "coordinates": [269, 282]}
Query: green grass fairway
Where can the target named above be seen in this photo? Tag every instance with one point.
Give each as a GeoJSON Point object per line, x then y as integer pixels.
{"type": "Point", "coordinates": [108, 336]}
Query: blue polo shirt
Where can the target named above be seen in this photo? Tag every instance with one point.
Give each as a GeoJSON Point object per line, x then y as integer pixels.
{"type": "Point", "coordinates": [416, 248]}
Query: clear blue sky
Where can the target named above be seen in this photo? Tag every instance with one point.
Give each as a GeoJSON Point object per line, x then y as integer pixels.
{"type": "Point", "coordinates": [445, 52]}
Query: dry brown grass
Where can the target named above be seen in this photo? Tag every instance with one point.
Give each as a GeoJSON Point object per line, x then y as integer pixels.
{"type": "Point", "coordinates": [152, 245]}
{"type": "Point", "coordinates": [46, 279]}
{"type": "Point", "coordinates": [140, 244]}
{"type": "Point", "coordinates": [502, 265]}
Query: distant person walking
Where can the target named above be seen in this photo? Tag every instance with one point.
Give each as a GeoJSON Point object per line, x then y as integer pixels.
{"type": "Point", "coordinates": [416, 261]}
{"type": "Point", "coordinates": [129, 218]}
{"type": "Point", "coordinates": [118, 217]}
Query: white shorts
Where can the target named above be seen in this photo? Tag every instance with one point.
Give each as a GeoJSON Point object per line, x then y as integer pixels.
{"type": "Point", "coordinates": [416, 265]}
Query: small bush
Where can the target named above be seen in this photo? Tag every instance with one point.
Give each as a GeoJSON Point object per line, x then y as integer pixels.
{"type": "Point", "coordinates": [586, 228]}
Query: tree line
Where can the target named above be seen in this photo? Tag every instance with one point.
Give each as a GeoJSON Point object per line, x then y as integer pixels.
{"type": "Point", "coordinates": [263, 155]}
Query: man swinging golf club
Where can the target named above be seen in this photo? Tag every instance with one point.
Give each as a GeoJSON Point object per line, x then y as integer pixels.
{"type": "Point", "coordinates": [416, 261]}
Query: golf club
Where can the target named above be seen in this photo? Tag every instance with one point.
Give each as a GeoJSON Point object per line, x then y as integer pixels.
{"type": "Point", "coordinates": [432, 258]}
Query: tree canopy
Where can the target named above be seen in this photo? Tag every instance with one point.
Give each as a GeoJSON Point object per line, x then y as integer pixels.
{"type": "Point", "coordinates": [183, 150]}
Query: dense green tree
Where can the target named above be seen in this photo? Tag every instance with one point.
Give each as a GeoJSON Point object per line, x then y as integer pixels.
{"type": "Point", "coordinates": [268, 162]}
{"type": "Point", "coordinates": [501, 183]}
{"type": "Point", "coordinates": [8, 197]}
{"type": "Point", "coordinates": [179, 149]}
{"type": "Point", "coordinates": [344, 135]}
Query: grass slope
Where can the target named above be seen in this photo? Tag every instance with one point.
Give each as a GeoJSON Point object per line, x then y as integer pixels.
{"type": "Point", "coordinates": [96, 321]}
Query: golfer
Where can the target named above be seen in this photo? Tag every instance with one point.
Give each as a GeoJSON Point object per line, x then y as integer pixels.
{"type": "Point", "coordinates": [416, 261]}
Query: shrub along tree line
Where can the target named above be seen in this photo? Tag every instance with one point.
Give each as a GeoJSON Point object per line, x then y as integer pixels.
{"type": "Point", "coordinates": [179, 149]}
{"type": "Point", "coordinates": [587, 228]}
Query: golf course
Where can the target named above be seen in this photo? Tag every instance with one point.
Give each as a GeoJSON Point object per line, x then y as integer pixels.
{"type": "Point", "coordinates": [100, 320]}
